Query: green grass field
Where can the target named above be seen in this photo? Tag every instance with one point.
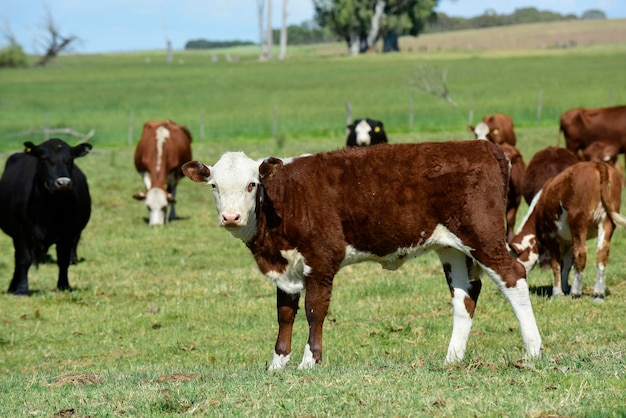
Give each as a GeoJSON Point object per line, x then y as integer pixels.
{"type": "Point", "coordinates": [178, 320]}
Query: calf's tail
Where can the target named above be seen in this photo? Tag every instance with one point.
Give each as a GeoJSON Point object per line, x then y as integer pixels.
{"type": "Point", "coordinates": [611, 193]}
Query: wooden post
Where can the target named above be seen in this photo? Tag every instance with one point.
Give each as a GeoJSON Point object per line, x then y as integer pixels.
{"type": "Point", "coordinates": [130, 128]}
{"type": "Point", "coordinates": [470, 116]}
{"type": "Point", "coordinates": [411, 115]}
{"type": "Point", "coordinates": [202, 124]}
{"type": "Point", "coordinates": [46, 128]}
{"type": "Point", "coordinates": [539, 105]}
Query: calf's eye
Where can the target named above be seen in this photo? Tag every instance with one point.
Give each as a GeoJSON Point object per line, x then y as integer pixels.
{"type": "Point", "coordinates": [251, 187]}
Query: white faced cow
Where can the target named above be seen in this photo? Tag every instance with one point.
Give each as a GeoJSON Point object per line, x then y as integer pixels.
{"type": "Point", "coordinates": [306, 219]}
{"type": "Point", "coordinates": [163, 148]}
{"type": "Point", "coordinates": [580, 203]}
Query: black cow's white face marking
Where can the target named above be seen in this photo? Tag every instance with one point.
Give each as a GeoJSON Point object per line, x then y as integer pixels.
{"type": "Point", "coordinates": [362, 130]}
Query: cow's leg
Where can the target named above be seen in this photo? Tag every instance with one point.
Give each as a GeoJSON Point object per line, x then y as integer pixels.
{"type": "Point", "coordinates": [510, 277]}
{"type": "Point", "coordinates": [511, 214]}
{"type": "Point", "coordinates": [580, 260]}
{"type": "Point", "coordinates": [287, 307]}
{"type": "Point", "coordinates": [318, 290]}
{"type": "Point", "coordinates": [64, 254]}
{"type": "Point", "coordinates": [555, 264]}
{"type": "Point", "coordinates": [459, 269]}
{"type": "Point", "coordinates": [605, 232]}
{"type": "Point", "coordinates": [23, 261]}
{"type": "Point", "coordinates": [172, 204]}
{"type": "Point", "coordinates": [566, 264]}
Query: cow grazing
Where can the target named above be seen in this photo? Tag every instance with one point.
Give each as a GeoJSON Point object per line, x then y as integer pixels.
{"type": "Point", "coordinates": [44, 200]}
{"type": "Point", "coordinates": [500, 129]}
{"type": "Point", "coordinates": [604, 150]}
{"type": "Point", "coordinates": [365, 132]}
{"type": "Point", "coordinates": [308, 218]}
{"type": "Point", "coordinates": [516, 178]}
{"type": "Point", "coordinates": [581, 127]}
{"type": "Point", "coordinates": [580, 203]}
{"type": "Point", "coordinates": [544, 165]}
{"type": "Point", "coordinates": [161, 151]}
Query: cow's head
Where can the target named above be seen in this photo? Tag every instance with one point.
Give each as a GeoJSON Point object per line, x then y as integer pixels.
{"type": "Point", "coordinates": [234, 180]}
{"type": "Point", "coordinates": [481, 130]}
{"type": "Point", "coordinates": [55, 162]}
{"type": "Point", "coordinates": [524, 245]}
{"type": "Point", "coordinates": [365, 132]}
{"type": "Point", "coordinates": [157, 201]}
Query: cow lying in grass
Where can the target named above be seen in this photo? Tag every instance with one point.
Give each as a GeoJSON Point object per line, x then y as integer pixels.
{"type": "Point", "coordinates": [305, 219]}
{"type": "Point", "coordinates": [580, 203]}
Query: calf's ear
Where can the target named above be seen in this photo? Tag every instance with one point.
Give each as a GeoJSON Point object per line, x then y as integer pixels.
{"type": "Point", "coordinates": [269, 167]}
{"type": "Point", "coordinates": [196, 171]}
{"type": "Point", "coordinates": [139, 196]}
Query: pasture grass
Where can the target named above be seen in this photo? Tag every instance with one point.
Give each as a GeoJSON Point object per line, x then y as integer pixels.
{"type": "Point", "coordinates": [178, 320]}
{"type": "Point", "coordinates": [302, 98]}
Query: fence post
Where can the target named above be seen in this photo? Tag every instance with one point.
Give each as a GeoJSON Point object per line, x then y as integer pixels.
{"type": "Point", "coordinates": [202, 125]}
{"type": "Point", "coordinates": [130, 128]}
{"type": "Point", "coordinates": [539, 105]}
{"type": "Point", "coordinates": [411, 115]}
{"type": "Point", "coordinates": [470, 116]}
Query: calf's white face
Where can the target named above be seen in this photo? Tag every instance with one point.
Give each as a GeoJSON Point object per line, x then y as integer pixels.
{"type": "Point", "coordinates": [481, 130]}
{"type": "Point", "coordinates": [234, 180]}
{"type": "Point", "coordinates": [362, 130]}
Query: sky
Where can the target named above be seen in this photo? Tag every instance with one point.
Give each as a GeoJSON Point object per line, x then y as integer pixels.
{"type": "Point", "coordinates": [135, 25]}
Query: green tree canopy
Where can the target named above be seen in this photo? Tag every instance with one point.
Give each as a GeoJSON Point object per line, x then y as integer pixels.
{"type": "Point", "coordinates": [363, 22]}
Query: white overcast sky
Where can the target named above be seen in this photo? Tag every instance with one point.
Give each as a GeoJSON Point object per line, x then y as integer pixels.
{"type": "Point", "coordinates": [132, 25]}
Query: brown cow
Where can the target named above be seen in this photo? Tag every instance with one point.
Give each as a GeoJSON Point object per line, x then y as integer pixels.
{"type": "Point", "coordinates": [544, 165]}
{"type": "Point", "coordinates": [309, 217]}
{"type": "Point", "coordinates": [604, 150]}
{"type": "Point", "coordinates": [514, 196]}
{"type": "Point", "coordinates": [500, 129]}
{"type": "Point", "coordinates": [580, 203]}
{"type": "Point", "coordinates": [161, 151]}
{"type": "Point", "coordinates": [581, 127]}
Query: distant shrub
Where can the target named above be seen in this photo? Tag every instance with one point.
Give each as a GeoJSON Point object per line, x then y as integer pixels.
{"type": "Point", "coordinates": [204, 44]}
{"type": "Point", "coordinates": [12, 56]}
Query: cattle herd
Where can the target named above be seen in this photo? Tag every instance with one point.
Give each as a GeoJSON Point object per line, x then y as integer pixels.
{"type": "Point", "coordinates": [305, 217]}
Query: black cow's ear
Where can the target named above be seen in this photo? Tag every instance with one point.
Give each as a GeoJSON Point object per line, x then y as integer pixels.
{"type": "Point", "coordinates": [270, 166]}
{"type": "Point", "coordinates": [81, 150]}
{"type": "Point", "coordinates": [29, 147]}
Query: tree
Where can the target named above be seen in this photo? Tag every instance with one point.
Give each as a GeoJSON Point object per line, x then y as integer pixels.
{"type": "Point", "coordinates": [594, 14]}
{"type": "Point", "coordinates": [56, 43]}
{"type": "Point", "coordinates": [283, 33]}
{"type": "Point", "coordinates": [361, 23]}
{"type": "Point", "coordinates": [11, 55]}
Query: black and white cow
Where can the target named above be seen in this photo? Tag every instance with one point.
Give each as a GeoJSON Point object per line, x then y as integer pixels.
{"type": "Point", "coordinates": [44, 200]}
{"type": "Point", "coordinates": [306, 218]}
{"type": "Point", "coordinates": [365, 132]}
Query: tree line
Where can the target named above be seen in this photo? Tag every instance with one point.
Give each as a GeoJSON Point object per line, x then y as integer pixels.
{"type": "Point", "coordinates": [362, 23]}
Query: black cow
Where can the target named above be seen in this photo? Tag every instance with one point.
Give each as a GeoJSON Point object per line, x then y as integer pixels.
{"type": "Point", "coordinates": [365, 132]}
{"type": "Point", "coordinates": [44, 200]}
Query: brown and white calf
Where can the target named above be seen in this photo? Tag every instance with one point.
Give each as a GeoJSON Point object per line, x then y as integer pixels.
{"type": "Point", "coordinates": [499, 129]}
{"type": "Point", "coordinates": [580, 203]}
{"type": "Point", "coordinates": [161, 151]}
{"type": "Point", "coordinates": [307, 218]}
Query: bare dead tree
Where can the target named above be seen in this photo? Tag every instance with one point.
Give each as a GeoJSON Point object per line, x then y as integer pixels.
{"type": "Point", "coordinates": [429, 80]}
{"type": "Point", "coordinates": [260, 10]}
{"type": "Point", "coordinates": [269, 38]}
{"type": "Point", "coordinates": [56, 42]}
{"type": "Point", "coordinates": [283, 33]}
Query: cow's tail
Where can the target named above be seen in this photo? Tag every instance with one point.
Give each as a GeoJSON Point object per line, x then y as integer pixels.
{"type": "Point", "coordinates": [611, 193]}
